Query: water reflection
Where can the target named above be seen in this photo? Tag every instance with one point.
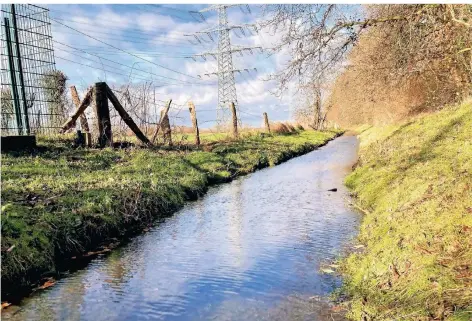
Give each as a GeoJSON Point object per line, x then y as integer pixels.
{"type": "Point", "coordinates": [248, 250]}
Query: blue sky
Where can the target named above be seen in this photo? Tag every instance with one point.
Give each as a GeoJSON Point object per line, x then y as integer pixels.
{"type": "Point", "coordinates": [153, 37]}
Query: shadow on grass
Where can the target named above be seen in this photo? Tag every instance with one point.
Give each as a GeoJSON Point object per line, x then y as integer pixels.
{"type": "Point", "coordinates": [426, 153]}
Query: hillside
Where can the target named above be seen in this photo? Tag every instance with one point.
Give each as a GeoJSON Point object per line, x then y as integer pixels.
{"type": "Point", "coordinates": [414, 181]}
{"type": "Point", "coordinates": [404, 68]}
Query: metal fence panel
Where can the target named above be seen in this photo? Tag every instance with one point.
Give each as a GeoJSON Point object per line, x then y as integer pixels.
{"type": "Point", "coordinates": [27, 46]}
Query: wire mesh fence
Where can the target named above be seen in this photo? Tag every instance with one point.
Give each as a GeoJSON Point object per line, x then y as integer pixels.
{"type": "Point", "coordinates": [27, 57]}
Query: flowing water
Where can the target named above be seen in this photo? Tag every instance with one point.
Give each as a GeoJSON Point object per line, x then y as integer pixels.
{"type": "Point", "coordinates": [248, 250]}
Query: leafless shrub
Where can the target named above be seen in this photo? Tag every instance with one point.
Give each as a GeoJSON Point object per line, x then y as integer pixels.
{"type": "Point", "coordinates": [312, 112]}
{"type": "Point", "coordinates": [282, 128]}
{"type": "Point", "coordinates": [290, 127]}
{"type": "Point", "coordinates": [54, 84]}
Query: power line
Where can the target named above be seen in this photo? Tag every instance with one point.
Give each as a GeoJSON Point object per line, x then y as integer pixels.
{"type": "Point", "coordinates": [181, 39]}
{"type": "Point", "coordinates": [138, 6]}
{"type": "Point", "coordinates": [139, 98]}
{"type": "Point", "coordinates": [112, 46]}
{"type": "Point", "coordinates": [171, 8]}
{"type": "Point", "coordinates": [120, 74]}
{"type": "Point", "coordinates": [124, 38]}
{"type": "Point", "coordinates": [131, 35]}
{"type": "Point", "coordinates": [108, 50]}
{"type": "Point", "coordinates": [248, 82]}
{"type": "Point", "coordinates": [143, 52]}
{"type": "Point", "coordinates": [149, 54]}
{"type": "Point", "coordinates": [92, 67]}
{"type": "Point", "coordinates": [128, 30]}
{"type": "Point", "coordinates": [103, 65]}
{"type": "Point", "coordinates": [226, 82]}
{"type": "Point", "coordinates": [118, 63]}
{"type": "Point", "coordinates": [170, 15]}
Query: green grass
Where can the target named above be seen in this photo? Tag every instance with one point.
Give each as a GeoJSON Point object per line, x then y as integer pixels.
{"type": "Point", "coordinates": [58, 202]}
{"type": "Point", "coordinates": [415, 182]}
{"type": "Point", "coordinates": [204, 137]}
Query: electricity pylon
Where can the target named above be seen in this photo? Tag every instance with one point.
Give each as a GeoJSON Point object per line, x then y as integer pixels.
{"type": "Point", "coordinates": [224, 56]}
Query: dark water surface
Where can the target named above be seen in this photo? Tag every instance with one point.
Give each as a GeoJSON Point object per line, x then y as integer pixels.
{"type": "Point", "coordinates": [248, 250]}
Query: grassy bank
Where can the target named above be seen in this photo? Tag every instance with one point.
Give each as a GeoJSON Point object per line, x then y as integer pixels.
{"type": "Point", "coordinates": [415, 183]}
{"type": "Point", "coordinates": [59, 202]}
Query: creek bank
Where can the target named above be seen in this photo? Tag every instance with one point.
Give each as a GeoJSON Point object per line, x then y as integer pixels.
{"type": "Point", "coordinates": [60, 202]}
{"type": "Point", "coordinates": [413, 182]}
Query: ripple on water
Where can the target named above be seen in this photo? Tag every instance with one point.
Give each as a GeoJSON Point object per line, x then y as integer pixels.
{"type": "Point", "coordinates": [248, 250]}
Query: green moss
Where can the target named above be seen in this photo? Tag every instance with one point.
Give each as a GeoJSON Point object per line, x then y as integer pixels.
{"type": "Point", "coordinates": [415, 182]}
{"type": "Point", "coordinates": [59, 201]}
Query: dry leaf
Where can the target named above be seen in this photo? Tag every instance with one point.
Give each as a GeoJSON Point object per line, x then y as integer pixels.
{"type": "Point", "coordinates": [105, 250]}
{"type": "Point", "coordinates": [47, 284]}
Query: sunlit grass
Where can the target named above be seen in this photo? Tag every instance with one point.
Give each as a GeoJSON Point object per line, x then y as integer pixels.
{"type": "Point", "coordinates": [59, 201]}
{"type": "Point", "coordinates": [415, 181]}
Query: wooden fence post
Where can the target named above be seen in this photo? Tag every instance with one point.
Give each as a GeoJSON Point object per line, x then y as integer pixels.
{"type": "Point", "coordinates": [126, 117]}
{"type": "Point", "coordinates": [83, 105]}
{"type": "Point", "coordinates": [193, 116]}
{"type": "Point", "coordinates": [103, 115]}
{"type": "Point", "coordinates": [166, 110]}
{"type": "Point", "coordinates": [83, 119]}
{"type": "Point", "coordinates": [266, 122]}
{"type": "Point", "coordinates": [165, 127]}
{"type": "Point", "coordinates": [235, 120]}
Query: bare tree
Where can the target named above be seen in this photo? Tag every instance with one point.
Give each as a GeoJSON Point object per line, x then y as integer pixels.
{"type": "Point", "coordinates": [320, 35]}
{"type": "Point", "coordinates": [311, 110]}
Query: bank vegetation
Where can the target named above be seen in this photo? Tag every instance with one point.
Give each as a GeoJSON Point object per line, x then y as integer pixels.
{"type": "Point", "coordinates": [414, 182]}
{"type": "Point", "coordinates": [401, 75]}
{"type": "Point", "coordinates": [60, 202]}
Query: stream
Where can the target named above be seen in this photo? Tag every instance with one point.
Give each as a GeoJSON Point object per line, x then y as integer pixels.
{"type": "Point", "coordinates": [248, 250]}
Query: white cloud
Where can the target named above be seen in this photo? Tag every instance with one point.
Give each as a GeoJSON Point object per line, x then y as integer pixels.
{"type": "Point", "coordinates": [155, 22]}
{"type": "Point", "coordinates": [166, 46]}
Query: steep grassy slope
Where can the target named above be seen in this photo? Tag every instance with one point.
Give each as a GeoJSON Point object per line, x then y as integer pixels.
{"type": "Point", "coordinates": [415, 183]}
